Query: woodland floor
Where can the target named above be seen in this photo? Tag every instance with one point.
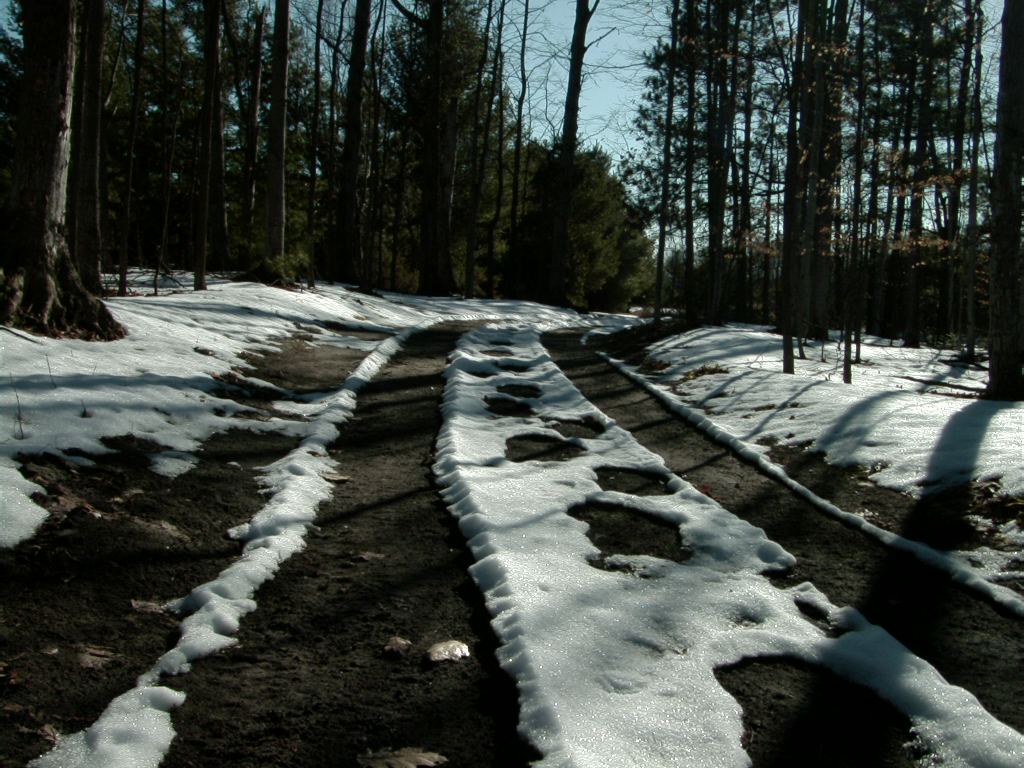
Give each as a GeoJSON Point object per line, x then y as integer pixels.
{"type": "Point", "coordinates": [309, 682]}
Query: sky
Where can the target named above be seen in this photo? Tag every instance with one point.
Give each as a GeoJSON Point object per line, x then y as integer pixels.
{"type": "Point", "coordinates": [561, 621]}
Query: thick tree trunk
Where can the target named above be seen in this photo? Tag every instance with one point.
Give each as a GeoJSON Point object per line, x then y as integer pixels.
{"type": "Point", "coordinates": [41, 288]}
{"type": "Point", "coordinates": [1005, 381]}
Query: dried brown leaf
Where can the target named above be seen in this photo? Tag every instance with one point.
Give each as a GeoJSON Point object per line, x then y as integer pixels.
{"type": "Point", "coordinates": [408, 757]}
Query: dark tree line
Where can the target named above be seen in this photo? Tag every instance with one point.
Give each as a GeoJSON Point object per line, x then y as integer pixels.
{"type": "Point", "coordinates": [813, 164]}
{"type": "Point", "coordinates": [377, 142]}
{"type": "Point", "coordinates": [832, 168]}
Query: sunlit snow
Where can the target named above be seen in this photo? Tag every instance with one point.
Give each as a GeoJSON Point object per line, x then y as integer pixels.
{"type": "Point", "coordinates": [614, 667]}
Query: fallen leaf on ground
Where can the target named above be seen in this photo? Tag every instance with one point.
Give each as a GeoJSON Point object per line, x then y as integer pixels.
{"type": "Point", "coordinates": [94, 657]}
{"type": "Point", "coordinates": [409, 757]}
{"type": "Point", "coordinates": [366, 557]}
{"type": "Point", "coordinates": [147, 606]}
{"type": "Point", "coordinates": [49, 733]}
{"type": "Point", "coordinates": [334, 477]}
{"type": "Point", "coordinates": [397, 646]}
{"type": "Point", "coordinates": [448, 650]}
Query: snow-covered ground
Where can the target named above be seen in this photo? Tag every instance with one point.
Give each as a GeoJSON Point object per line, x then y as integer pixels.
{"type": "Point", "coordinates": [618, 670]}
{"type": "Point", "coordinates": [905, 417]}
{"type": "Point", "coordinates": [612, 669]}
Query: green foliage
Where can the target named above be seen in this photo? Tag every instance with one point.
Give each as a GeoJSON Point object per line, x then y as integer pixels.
{"type": "Point", "coordinates": [610, 256]}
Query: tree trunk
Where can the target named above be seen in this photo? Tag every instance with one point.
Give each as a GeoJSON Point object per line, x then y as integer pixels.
{"type": "Point", "coordinates": [517, 153]}
{"type": "Point", "coordinates": [133, 131]}
{"type": "Point", "coordinates": [349, 234]}
{"type": "Point", "coordinates": [41, 288]}
{"type": "Point", "coordinates": [204, 170]}
{"type": "Point", "coordinates": [478, 146]}
{"type": "Point", "coordinates": [558, 288]}
{"type": "Point", "coordinates": [314, 149]}
{"type": "Point", "coordinates": [87, 233]}
{"type": "Point", "coordinates": [278, 132]}
{"type": "Point", "coordinates": [1005, 381]}
{"type": "Point", "coordinates": [666, 159]}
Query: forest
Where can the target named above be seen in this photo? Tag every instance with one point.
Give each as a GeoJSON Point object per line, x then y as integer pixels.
{"type": "Point", "coordinates": [808, 164]}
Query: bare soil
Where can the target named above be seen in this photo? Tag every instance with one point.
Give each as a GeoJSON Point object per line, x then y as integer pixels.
{"type": "Point", "coordinates": [317, 678]}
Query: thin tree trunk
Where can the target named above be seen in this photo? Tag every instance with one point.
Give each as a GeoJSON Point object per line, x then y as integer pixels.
{"type": "Point", "coordinates": [558, 287]}
{"type": "Point", "coordinates": [204, 169]}
{"type": "Point", "coordinates": [517, 151]}
{"type": "Point", "coordinates": [133, 131]}
{"type": "Point", "coordinates": [478, 146]}
{"type": "Point", "coordinates": [314, 149]}
{"type": "Point", "coordinates": [278, 132]}
{"type": "Point", "coordinates": [87, 233]}
{"type": "Point", "coordinates": [349, 234]}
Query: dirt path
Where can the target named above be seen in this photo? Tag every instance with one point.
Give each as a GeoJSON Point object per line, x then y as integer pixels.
{"type": "Point", "coordinates": [310, 682]}
{"type": "Point", "coordinates": [794, 714]}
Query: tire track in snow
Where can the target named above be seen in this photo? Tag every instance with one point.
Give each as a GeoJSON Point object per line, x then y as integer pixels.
{"type": "Point", "coordinates": [972, 642]}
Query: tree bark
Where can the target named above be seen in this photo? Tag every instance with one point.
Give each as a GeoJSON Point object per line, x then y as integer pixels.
{"type": "Point", "coordinates": [211, 95]}
{"type": "Point", "coordinates": [133, 130]}
{"type": "Point", "coordinates": [558, 288]}
{"type": "Point", "coordinates": [41, 289]}
{"type": "Point", "coordinates": [349, 235]}
{"type": "Point", "coordinates": [1005, 381]}
{"type": "Point", "coordinates": [278, 132]}
{"type": "Point", "coordinates": [666, 159]}
{"type": "Point", "coordinates": [87, 233]}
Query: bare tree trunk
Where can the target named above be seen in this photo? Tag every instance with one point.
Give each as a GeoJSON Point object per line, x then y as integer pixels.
{"type": "Point", "coordinates": [41, 289]}
{"type": "Point", "coordinates": [349, 230]}
{"type": "Point", "coordinates": [211, 94]}
{"type": "Point", "coordinates": [278, 132]}
{"type": "Point", "coordinates": [1005, 380]}
{"type": "Point", "coordinates": [133, 131]}
{"type": "Point", "coordinates": [477, 153]}
{"type": "Point", "coordinates": [314, 148]}
{"type": "Point", "coordinates": [560, 245]}
{"type": "Point", "coordinates": [971, 244]}
{"type": "Point", "coordinates": [87, 234]}
{"type": "Point", "coordinates": [517, 151]}
{"type": "Point", "coordinates": [666, 159]}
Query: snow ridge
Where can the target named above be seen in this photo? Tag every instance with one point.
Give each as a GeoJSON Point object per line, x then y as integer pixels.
{"type": "Point", "coordinates": [957, 570]}
{"type": "Point", "coordinates": [616, 667]}
{"type": "Point", "coordinates": [135, 730]}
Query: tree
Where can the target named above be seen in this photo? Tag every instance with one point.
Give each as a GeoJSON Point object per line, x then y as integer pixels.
{"type": "Point", "coordinates": [1005, 381]}
{"type": "Point", "coordinates": [560, 242]}
{"type": "Point", "coordinates": [666, 159]}
{"type": "Point", "coordinates": [208, 124]}
{"type": "Point", "coordinates": [278, 131]}
{"type": "Point", "coordinates": [349, 234]}
{"type": "Point", "coordinates": [41, 288]}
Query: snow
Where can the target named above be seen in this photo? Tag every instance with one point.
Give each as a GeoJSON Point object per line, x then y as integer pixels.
{"type": "Point", "coordinates": [728, 382]}
{"type": "Point", "coordinates": [899, 418]}
{"type": "Point", "coordinates": [613, 667]}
